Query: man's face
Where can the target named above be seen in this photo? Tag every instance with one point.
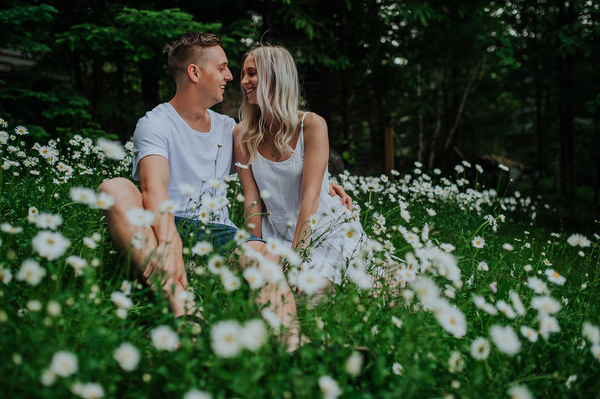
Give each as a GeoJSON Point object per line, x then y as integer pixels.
{"type": "Point", "coordinates": [214, 74]}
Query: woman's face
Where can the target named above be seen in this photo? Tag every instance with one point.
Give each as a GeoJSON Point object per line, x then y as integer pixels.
{"type": "Point", "coordinates": [249, 79]}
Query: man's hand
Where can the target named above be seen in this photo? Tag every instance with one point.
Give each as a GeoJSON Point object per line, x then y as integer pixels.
{"type": "Point", "coordinates": [336, 189]}
{"type": "Point", "coordinates": [166, 266]}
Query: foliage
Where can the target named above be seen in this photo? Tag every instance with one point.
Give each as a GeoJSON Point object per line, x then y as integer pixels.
{"type": "Point", "coordinates": [424, 228]}
{"type": "Point", "coordinates": [461, 79]}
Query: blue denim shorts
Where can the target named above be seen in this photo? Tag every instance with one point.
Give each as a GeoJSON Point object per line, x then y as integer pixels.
{"type": "Point", "coordinates": [221, 236]}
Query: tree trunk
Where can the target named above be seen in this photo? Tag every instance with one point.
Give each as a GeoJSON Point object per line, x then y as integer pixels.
{"type": "Point", "coordinates": [420, 148]}
{"type": "Point", "coordinates": [97, 85]}
{"type": "Point", "coordinates": [438, 122]}
{"type": "Point", "coordinates": [539, 173]}
{"type": "Point", "coordinates": [566, 117]}
{"type": "Point", "coordinates": [463, 102]}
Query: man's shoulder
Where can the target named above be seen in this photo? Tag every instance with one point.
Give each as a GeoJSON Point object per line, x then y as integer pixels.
{"type": "Point", "coordinates": [160, 112]}
{"type": "Point", "coordinates": [158, 119]}
{"type": "Point", "coordinates": [221, 117]}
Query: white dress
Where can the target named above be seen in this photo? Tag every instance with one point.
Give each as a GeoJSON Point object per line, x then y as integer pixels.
{"type": "Point", "coordinates": [337, 235]}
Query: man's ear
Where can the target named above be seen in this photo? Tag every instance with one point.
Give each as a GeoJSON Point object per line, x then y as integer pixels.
{"type": "Point", "coordinates": [193, 72]}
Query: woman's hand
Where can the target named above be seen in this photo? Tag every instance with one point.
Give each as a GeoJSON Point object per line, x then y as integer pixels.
{"type": "Point", "coordinates": [337, 189]}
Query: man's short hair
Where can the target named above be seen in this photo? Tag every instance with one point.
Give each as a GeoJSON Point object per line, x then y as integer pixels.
{"type": "Point", "coordinates": [189, 49]}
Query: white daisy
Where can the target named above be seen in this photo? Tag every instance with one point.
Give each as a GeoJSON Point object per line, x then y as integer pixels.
{"type": "Point", "coordinates": [140, 217]}
{"type": "Point", "coordinates": [578, 239]}
{"type": "Point", "coordinates": [254, 277]}
{"type": "Point", "coordinates": [545, 304]}
{"type": "Point", "coordinates": [309, 281]}
{"type": "Point", "coordinates": [216, 264]}
{"type": "Point", "coordinates": [329, 387]}
{"type": "Point", "coordinates": [354, 364]}
{"type": "Point", "coordinates": [90, 390]}
{"type": "Point", "coordinates": [229, 280]}
{"type": "Point", "coordinates": [397, 369]}
{"type": "Point", "coordinates": [83, 195]}
{"type": "Point", "coordinates": [5, 276]}
{"type": "Point", "coordinates": [516, 302]}
{"type": "Point", "coordinates": [529, 333]}
{"type": "Point", "coordinates": [359, 277]}
{"type": "Point", "coordinates": [254, 334]}
{"type": "Point", "coordinates": [555, 277]}
{"type": "Point", "coordinates": [506, 309]}
{"type": "Point", "coordinates": [31, 272]}
{"type": "Point", "coordinates": [121, 300]}
{"type": "Point", "coordinates": [478, 242]}
{"type": "Point", "coordinates": [226, 338]}
{"type": "Point", "coordinates": [548, 324]}
{"type": "Point", "coordinates": [537, 285]}
{"type": "Point", "coordinates": [591, 333]}
{"type": "Point", "coordinates": [164, 338]}
{"type": "Point", "coordinates": [451, 318]}
{"type": "Point", "coordinates": [128, 356]}
{"type": "Point", "coordinates": [505, 339]}
{"type": "Point", "coordinates": [48, 221]}
{"type": "Point", "coordinates": [64, 364]}
{"type": "Point", "coordinates": [202, 248]}
{"type": "Point", "coordinates": [112, 149]}
{"type": "Point", "coordinates": [519, 392]}
{"type": "Point", "coordinates": [480, 348]}
{"type": "Point", "coordinates": [104, 201]}
{"type": "Point", "coordinates": [197, 394]}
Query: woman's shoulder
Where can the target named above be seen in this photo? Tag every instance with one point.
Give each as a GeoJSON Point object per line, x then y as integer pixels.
{"type": "Point", "coordinates": [312, 122]}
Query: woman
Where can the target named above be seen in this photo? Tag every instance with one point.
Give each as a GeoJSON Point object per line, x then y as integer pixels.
{"type": "Point", "coordinates": [284, 151]}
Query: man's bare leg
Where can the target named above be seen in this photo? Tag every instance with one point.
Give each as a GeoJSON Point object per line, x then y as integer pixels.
{"type": "Point", "coordinates": [278, 297]}
{"type": "Point", "coordinates": [122, 231]}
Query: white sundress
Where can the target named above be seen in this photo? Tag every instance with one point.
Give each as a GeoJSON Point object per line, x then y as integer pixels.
{"type": "Point", "coordinates": [283, 180]}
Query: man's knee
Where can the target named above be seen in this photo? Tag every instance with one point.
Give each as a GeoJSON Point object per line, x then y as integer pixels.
{"type": "Point", "coordinates": [115, 185]}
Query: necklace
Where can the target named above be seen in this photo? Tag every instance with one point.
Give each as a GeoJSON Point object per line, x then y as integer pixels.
{"type": "Point", "coordinates": [272, 152]}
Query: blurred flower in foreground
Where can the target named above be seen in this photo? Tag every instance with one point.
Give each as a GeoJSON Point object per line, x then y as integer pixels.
{"type": "Point", "coordinates": [164, 338]}
{"type": "Point", "coordinates": [140, 217]}
{"type": "Point", "coordinates": [578, 239]}
{"type": "Point", "coordinates": [89, 390]}
{"type": "Point", "coordinates": [197, 394]}
{"type": "Point", "coordinates": [112, 149]}
{"type": "Point", "coordinates": [329, 387]}
{"type": "Point", "coordinates": [555, 277]}
{"type": "Point", "coordinates": [64, 364]}
{"type": "Point", "coordinates": [354, 364]}
{"type": "Point", "coordinates": [505, 339]}
{"type": "Point", "coordinates": [128, 356]}
{"type": "Point", "coordinates": [226, 338]}
{"type": "Point", "coordinates": [50, 245]}
{"type": "Point", "coordinates": [519, 392]}
{"type": "Point", "coordinates": [480, 348]}
{"type": "Point", "coordinates": [254, 334]}
{"type": "Point", "coordinates": [31, 271]}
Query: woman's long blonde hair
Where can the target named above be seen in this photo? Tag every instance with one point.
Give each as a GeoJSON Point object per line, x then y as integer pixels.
{"type": "Point", "coordinates": [277, 96]}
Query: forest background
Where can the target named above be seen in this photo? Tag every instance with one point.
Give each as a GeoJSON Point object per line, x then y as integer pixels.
{"type": "Point", "coordinates": [489, 82]}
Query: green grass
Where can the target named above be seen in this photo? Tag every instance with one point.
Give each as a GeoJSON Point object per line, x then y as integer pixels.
{"type": "Point", "coordinates": [89, 326]}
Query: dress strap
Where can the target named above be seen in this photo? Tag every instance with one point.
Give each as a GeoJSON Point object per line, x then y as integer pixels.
{"type": "Point", "coordinates": [302, 124]}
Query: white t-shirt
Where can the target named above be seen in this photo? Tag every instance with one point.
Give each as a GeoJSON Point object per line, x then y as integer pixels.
{"type": "Point", "coordinates": [198, 160]}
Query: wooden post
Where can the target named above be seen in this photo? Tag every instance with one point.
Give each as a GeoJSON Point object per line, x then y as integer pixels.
{"type": "Point", "coordinates": [389, 147]}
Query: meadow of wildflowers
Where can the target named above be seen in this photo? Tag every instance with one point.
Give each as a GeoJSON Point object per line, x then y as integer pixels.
{"type": "Point", "coordinates": [457, 293]}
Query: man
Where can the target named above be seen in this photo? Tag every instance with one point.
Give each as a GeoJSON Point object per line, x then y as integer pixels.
{"type": "Point", "coordinates": [178, 144]}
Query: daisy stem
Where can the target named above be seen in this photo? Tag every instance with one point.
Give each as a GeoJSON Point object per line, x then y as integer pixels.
{"type": "Point", "coordinates": [483, 225]}
{"type": "Point", "coordinates": [367, 212]}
